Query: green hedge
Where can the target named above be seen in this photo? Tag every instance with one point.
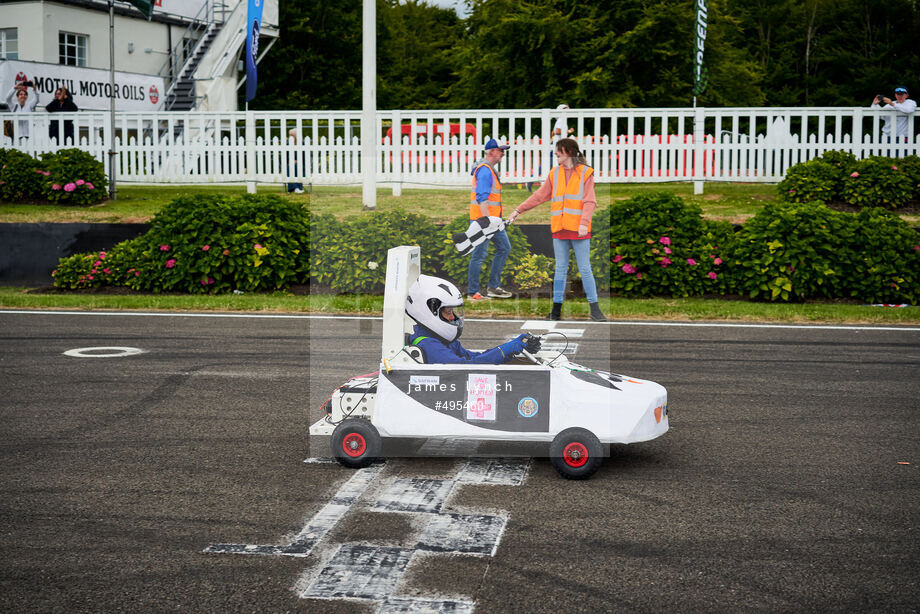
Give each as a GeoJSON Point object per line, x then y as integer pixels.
{"type": "Point", "coordinates": [658, 245]}
{"type": "Point", "coordinates": [661, 245]}
{"type": "Point", "coordinates": [65, 177]}
{"type": "Point", "coordinates": [204, 244]}
{"type": "Point", "coordinates": [794, 252]}
{"type": "Point", "coordinates": [877, 181]}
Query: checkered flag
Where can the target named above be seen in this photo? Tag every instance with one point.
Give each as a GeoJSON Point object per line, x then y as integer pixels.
{"type": "Point", "coordinates": [480, 230]}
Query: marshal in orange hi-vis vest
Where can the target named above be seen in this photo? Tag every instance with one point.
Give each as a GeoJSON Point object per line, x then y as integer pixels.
{"type": "Point", "coordinates": [568, 197]}
{"type": "Point", "coordinates": [495, 196]}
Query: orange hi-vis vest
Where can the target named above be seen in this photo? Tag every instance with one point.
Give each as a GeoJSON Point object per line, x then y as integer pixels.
{"type": "Point", "coordinates": [495, 196]}
{"type": "Point", "coordinates": [566, 207]}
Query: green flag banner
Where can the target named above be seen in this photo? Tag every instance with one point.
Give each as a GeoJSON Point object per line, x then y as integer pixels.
{"type": "Point", "coordinates": [144, 6]}
{"type": "Point", "coordinates": [700, 74]}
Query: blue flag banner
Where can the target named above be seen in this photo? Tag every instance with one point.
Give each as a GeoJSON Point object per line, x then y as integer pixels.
{"type": "Point", "coordinates": [253, 24]}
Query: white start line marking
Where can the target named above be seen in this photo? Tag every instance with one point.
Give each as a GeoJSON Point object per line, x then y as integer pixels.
{"type": "Point", "coordinates": [317, 527]}
{"type": "Point", "coordinates": [103, 352]}
{"type": "Point", "coordinates": [373, 572]}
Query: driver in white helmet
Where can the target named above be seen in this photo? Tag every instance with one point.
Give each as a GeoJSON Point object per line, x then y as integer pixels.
{"type": "Point", "coordinates": [437, 306]}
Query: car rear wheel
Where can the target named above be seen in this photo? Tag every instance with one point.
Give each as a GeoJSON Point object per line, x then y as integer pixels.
{"type": "Point", "coordinates": [355, 443]}
{"type": "Point", "coordinates": [576, 453]}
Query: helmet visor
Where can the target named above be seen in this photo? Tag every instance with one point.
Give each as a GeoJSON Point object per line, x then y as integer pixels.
{"type": "Point", "coordinates": [452, 315]}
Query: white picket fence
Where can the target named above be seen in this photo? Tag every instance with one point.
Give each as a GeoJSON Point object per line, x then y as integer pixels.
{"type": "Point", "coordinates": [439, 147]}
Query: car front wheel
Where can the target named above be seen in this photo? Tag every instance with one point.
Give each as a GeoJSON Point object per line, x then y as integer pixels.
{"type": "Point", "coordinates": [576, 453]}
{"type": "Point", "coordinates": [355, 443]}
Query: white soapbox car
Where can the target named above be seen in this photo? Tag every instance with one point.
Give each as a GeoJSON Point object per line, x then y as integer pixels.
{"type": "Point", "coordinates": [541, 397]}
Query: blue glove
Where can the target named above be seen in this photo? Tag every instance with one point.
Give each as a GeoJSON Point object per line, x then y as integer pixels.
{"type": "Point", "coordinates": [515, 346]}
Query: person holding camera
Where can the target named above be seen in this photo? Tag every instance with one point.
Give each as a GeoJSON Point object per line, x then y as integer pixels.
{"type": "Point", "coordinates": [62, 103]}
{"type": "Point", "coordinates": [19, 101]}
{"type": "Point", "coordinates": [904, 105]}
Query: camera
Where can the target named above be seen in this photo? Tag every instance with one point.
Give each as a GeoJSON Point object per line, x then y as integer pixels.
{"type": "Point", "coordinates": [27, 83]}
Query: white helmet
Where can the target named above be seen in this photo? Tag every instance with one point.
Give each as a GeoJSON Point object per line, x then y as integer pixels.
{"type": "Point", "coordinates": [427, 297]}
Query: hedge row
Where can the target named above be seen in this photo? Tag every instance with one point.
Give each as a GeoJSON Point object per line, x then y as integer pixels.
{"type": "Point", "coordinates": [838, 176]}
{"type": "Point", "coordinates": [651, 245]}
{"type": "Point", "coordinates": [66, 177]}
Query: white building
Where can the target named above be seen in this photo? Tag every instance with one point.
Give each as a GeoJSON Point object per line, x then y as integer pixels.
{"type": "Point", "coordinates": [186, 57]}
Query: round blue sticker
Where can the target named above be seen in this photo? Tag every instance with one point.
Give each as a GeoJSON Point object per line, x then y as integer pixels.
{"type": "Point", "coordinates": [528, 407]}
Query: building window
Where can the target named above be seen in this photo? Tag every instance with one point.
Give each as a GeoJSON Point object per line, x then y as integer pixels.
{"type": "Point", "coordinates": [72, 48]}
{"type": "Point", "coordinates": [9, 44]}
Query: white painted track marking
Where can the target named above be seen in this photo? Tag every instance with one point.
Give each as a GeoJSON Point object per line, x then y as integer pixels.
{"type": "Point", "coordinates": [516, 321]}
{"type": "Point", "coordinates": [317, 527]}
{"type": "Point", "coordinates": [104, 352]}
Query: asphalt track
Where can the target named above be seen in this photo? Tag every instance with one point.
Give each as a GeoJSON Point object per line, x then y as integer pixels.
{"type": "Point", "coordinates": [778, 487]}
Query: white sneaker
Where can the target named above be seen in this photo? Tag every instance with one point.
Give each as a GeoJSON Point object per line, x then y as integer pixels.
{"type": "Point", "coordinates": [498, 292]}
{"type": "Point", "coordinates": [298, 191]}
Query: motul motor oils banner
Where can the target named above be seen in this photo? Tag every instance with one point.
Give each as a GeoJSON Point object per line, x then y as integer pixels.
{"type": "Point", "coordinates": [89, 87]}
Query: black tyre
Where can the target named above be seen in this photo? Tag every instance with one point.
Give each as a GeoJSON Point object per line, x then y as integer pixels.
{"type": "Point", "coordinates": [576, 454]}
{"type": "Point", "coordinates": [355, 443]}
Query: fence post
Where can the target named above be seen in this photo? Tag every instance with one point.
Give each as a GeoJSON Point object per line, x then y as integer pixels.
{"type": "Point", "coordinates": [396, 152]}
{"type": "Point", "coordinates": [699, 120]}
{"type": "Point", "coordinates": [250, 153]}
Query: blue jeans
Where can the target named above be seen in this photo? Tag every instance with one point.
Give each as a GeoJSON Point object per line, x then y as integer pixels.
{"type": "Point", "coordinates": [582, 249]}
{"type": "Point", "coordinates": [478, 256]}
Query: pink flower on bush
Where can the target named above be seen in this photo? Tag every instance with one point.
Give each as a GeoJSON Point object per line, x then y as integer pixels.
{"type": "Point", "coordinates": [664, 241]}
{"type": "Point", "coordinates": [106, 270]}
{"type": "Point", "coordinates": [90, 277]}
{"type": "Point", "coordinates": [39, 171]}
{"type": "Point", "coordinates": [917, 248]}
{"type": "Point", "coordinates": [712, 275]}
{"type": "Point", "coordinates": [854, 174]}
{"type": "Point", "coordinates": [164, 248]}
{"type": "Point", "coordinates": [101, 255]}
{"type": "Point", "coordinates": [80, 182]}
{"type": "Point", "coordinates": [90, 186]}
{"type": "Point", "coordinates": [70, 187]}
{"type": "Point", "coordinates": [170, 263]}
{"type": "Point", "coordinates": [205, 248]}
{"type": "Point", "coordinates": [691, 261]}
{"type": "Point", "coordinates": [638, 275]}
{"type": "Point", "coordinates": [204, 282]}
{"type": "Point", "coordinates": [226, 252]}
{"type": "Point", "coordinates": [628, 269]}
{"type": "Point", "coordinates": [665, 261]}
{"type": "Point", "coordinates": [667, 250]}
{"type": "Point", "coordinates": [55, 186]}
{"type": "Point", "coordinates": [791, 191]}
{"type": "Point", "coordinates": [97, 263]}
{"type": "Point", "coordinates": [894, 168]}
{"type": "Point", "coordinates": [717, 261]}
{"type": "Point", "coordinates": [257, 246]}
{"type": "Point", "coordinates": [617, 258]}
{"type": "Point", "coordinates": [46, 173]}
{"type": "Point", "coordinates": [136, 273]}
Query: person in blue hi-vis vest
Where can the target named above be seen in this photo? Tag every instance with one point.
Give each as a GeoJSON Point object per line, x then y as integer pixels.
{"type": "Point", "coordinates": [437, 307]}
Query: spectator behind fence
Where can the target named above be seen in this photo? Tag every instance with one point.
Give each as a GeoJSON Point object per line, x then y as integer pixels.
{"type": "Point", "coordinates": [19, 101]}
{"type": "Point", "coordinates": [293, 164]}
{"type": "Point", "coordinates": [62, 103]}
{"type": "Point", "coordinates": [905, 106]}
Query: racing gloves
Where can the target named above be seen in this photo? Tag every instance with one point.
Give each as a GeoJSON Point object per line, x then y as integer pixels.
{"type": "Point", "coordinates": [515, 346]}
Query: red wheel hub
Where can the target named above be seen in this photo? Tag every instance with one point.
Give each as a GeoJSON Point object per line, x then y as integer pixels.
{"type": "Point", "coordinates": [575, 454]}
{"type": "Point", "coordinates": [354, 445]}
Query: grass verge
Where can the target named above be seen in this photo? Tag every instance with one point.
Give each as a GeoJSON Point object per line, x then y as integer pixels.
{"type": "Point", "coordinates": [689, 309]}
